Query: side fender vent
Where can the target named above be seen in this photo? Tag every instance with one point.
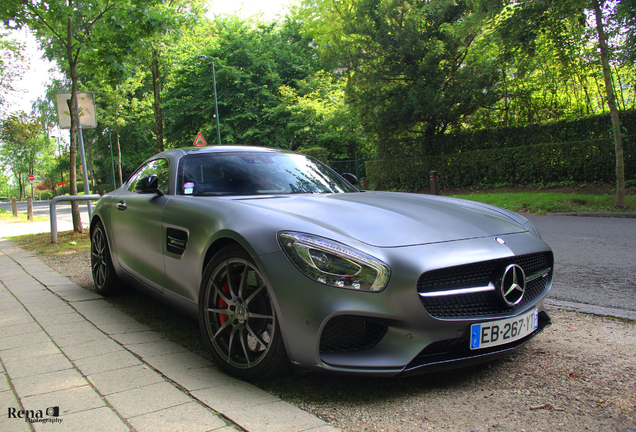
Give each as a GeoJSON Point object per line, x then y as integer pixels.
{"type": "Point", "coordinates": [176, 241]}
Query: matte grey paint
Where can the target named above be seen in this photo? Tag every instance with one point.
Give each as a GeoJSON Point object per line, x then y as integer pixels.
{"type": "Point", "coordinates": [411, 233]}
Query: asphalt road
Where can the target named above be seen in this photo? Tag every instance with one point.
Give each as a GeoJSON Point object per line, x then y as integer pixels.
{"type": "Point", "coordinates": [42, 208]}
{"type": "Point", "coordinates": [595, 257]}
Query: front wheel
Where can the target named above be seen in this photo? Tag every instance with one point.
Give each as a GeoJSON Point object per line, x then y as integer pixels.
{"type": "Point", "coordinates": [104, 276]}
{"type": "Point", "coordinates": [238, 319]}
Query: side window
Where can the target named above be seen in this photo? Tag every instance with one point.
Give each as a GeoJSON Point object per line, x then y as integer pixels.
{"type": "Point", "coordinates": [160, 167]}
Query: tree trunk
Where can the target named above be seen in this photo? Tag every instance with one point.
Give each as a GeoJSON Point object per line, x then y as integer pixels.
{"type": "Point", "coordinates": [611, 102]}
{"type": "Point", "coordinates": [117, 140]}
{"type": "Point", "coordinates": [77, 219]}
{"type": "Point", "coordinates": [156, 88]}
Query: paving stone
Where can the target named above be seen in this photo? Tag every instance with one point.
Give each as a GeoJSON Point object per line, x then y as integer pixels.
{"type": "Point", "coordinates": [236, 396]}
{"type": "Point", "coordinates": [107, 362]}
{"type": "Point", "coordinates": [60, 319]}
{"type": "Point", "coordinates": [69, 401]}
{"type": "Point", "coordinates": [96, 420]}
{"type": "Point", "coordinates": [8, 400]}
{"type": "Point", "coordinates": [190, 371]}
{"type": "Point", "coordinates": [29, 351]}
{"type": "Point", "coordinates": [91, 334]}
{"type": "Point", "coordinates": [137, 337]}
{"type": "Point", "coordinates": [25, 286]}
{"type": "Point", "coordinates": [91, 349]}
{"type": "Point", "coordinates": [120, 380]}
{"type": "Point", "coordinates": [187, 360]}
{"type": "Point", "coordinates": [8, 342]}
{"type": "Point", "coordinates": [32, 366]}
{"type": "Point", "coordinates": [20, 329]}
{"type": "Point", "coordinates": [4, 381]}
{"type": "Point", "coordinates": [122, 328]}
{"type": "Point", "coordinates": [65, 285]}
{"type": "Point", "coordinates": [100, 312]}
{"type": "Point", "coordinates": [69, 328]}
{"type": "Point", "coordinates": [15, 318]}
{"type": "Point", "coordinates": [153, 349]}
{"type": "Point", "coordinates": [275, 417]}
{"type": "Point", "coordinates": [155, 397]}
{"type": "Point", "coordinates": [49, 382]}
{"type": "Point", "coordinates": [80, 295]}
{"type": "Point", "coordinates": [189, 417]}
{"type": "Point", "coordinates": [58, 307]}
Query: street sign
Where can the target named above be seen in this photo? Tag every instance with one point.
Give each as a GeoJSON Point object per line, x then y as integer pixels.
{"type": "Point", "coordinates": [31, 178]}
{"type": "Point", "coordinates": [199, 140]}
{"type": "Point", "coordinates": [86, 106]}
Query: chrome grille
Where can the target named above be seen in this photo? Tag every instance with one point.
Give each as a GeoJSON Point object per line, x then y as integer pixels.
{"type": "Point", "coordinates": [482, 304]}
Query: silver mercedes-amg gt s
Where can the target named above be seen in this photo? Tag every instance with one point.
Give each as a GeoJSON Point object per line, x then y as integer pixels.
{"type": "Point", "coordinates": [284, 262]}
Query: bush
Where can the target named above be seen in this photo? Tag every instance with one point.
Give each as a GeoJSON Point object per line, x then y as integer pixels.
{"type": "Point", "coordinates": [319, 153]}
{"type": "Point", "coordinates": [588, 161]}
{"type": "Point", "coordinates": [584, 129]}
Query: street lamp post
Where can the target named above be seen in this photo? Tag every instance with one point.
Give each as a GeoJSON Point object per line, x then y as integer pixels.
{"type": "Point", "coordinates": [216, 103]}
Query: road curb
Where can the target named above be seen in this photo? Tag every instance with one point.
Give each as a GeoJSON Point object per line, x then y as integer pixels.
{"type": "Point", "coordinates": [591, 309]}
{"type": "Point", "coordinates": [627, 215]}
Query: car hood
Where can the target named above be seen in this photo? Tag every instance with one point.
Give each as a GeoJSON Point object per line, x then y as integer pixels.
{"type": "Point", "coordinates": [390, 219]}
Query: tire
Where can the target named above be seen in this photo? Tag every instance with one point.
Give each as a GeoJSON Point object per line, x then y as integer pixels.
{"type": "Point", "coordinates": [104, 276]}
{"type": "Point", "coordinates": [238, 319]}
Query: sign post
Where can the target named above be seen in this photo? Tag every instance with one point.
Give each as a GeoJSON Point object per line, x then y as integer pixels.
{"type": "Point", "coordinates": [88, 119]}
{"type": "Point", "coordinates": [31, 179]}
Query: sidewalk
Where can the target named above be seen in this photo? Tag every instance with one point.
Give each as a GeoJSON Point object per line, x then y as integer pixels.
{"type": "Point", "coordinates": [65, 350]}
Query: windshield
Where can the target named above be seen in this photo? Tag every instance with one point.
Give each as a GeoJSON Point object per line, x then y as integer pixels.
{"type": "Point", "coordinates": [254, 173]}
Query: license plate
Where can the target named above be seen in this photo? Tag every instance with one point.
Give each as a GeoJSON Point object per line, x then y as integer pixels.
{"type": "Point", "coordinates": [494, 333]}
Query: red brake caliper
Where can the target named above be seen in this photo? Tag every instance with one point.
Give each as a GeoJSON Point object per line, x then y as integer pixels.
{"type": "Point", "coordinates": [223, 305]}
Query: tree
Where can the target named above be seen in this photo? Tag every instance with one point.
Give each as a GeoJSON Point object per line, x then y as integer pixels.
{"type": "Point", "coordinates": [12, 66]}
{"type": "Point", "coordinates": [252, 60]}
{"type": "Point", "coordinates": [67, 30]}
{"type": "Point", "coordinates": [412, 65]}
{"type": "Point", "coordinates": [528, 19]}
{"type": "Point", "coordinates": [21, 141]}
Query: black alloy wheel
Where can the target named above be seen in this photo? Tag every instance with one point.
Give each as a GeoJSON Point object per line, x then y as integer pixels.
{"type": "Point", "coordinates": [104, 276]}
{"type": "Point", "coordinates": [238, 319]}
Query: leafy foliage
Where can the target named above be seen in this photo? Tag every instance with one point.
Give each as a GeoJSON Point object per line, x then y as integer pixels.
{"type": "Point", "coordinates": [22, 146]}
{"type": "Point", "coordinates": [12, 66]}
{"type": "Point", "coordinates": [412, 66]}
{"type": "Point", "coordinates": [251, 62]}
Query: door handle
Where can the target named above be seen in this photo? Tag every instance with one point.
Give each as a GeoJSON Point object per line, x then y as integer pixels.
{"type": "Point", "coordinates": [121, 205]}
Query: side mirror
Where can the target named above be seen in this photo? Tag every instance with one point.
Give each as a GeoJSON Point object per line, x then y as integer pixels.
{"type": "Point", "coordinates": [148, 185]}
{"type": "Point", "coordinates": [350, 178]}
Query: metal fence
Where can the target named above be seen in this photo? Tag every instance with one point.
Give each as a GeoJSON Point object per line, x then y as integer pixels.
{"type": "Point", "coordinates": [354, 166]}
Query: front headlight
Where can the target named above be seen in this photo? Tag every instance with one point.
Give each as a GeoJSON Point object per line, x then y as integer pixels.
{"type": "Point", "coordinates": [334, 264]}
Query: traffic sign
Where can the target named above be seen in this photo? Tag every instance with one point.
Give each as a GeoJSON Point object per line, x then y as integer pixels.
{"type": "Point", "coordinates": [31, 178]}
{"type": "Point", "coordinates": [62, 183]}
{"type": "Point", "coordinates": [199, 140]}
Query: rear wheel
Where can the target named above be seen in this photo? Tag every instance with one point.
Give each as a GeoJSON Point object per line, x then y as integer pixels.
{"type": "Point", "coordinates": [104, 276]}
{"type": "Point", "coordinates": [238, 319]}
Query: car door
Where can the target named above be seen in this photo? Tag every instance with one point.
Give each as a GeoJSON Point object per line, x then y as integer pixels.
{"type": "Point", "coordinates": [136, 225]}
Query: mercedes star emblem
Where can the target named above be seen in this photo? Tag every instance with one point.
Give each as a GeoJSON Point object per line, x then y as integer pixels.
{"type": "Point", "coordinates": [513, 285]}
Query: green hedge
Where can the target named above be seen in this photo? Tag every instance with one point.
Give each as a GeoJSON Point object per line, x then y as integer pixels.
{"type": "Point", "coordinates": [588, 128]}
{"type": "Point", "coordinates": [319, 153]}
{"type": "Point", "coordinates": [80, 189]}
{"type": "Point", "coordinates": [580, 161]}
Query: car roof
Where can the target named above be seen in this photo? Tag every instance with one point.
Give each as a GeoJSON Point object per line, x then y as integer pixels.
{"type": "Point", "coordinates": [231, 148]}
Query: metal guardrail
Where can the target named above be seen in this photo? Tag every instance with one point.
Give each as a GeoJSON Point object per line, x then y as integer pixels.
{"type": "Point", "coordinates": [53, 209]}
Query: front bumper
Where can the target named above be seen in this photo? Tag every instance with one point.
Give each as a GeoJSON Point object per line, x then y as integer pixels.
{"type": "Point", "coordinates": [391, 332]}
